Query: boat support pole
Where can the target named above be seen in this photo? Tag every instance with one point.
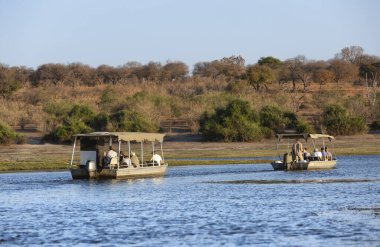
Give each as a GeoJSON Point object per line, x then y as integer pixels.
{"type": "Point", "coordinates": [162, 154]}
{"type": "Point", "coordinates": [118, 162]}
{"type": "Point", "coordinates": [142, 152]}
{"type": "Point", "coordinates": [153, 151]}
{"type": "Point", "coordinates": [72, 155]}
{"type": "Point", "coordinates": [129, 149]}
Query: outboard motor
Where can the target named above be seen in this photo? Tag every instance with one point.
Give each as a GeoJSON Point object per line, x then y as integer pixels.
{"type": "Point", "coordinates": [91, 168]}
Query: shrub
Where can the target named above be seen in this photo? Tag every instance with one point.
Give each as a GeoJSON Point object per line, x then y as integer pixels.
{"type": "Point", "coordinates": [339, 122]}
{"type": "Point", "coordinates": [127, 120]}
{"type": "Point", "coordinates": [272, 118]}
{"type": "Point", "coordinates": [100, 122]}
{"type": "Point", "coordinates": [235, 122]}
{"type": "Point", "coordinates": [7, 134]}
{"type": "Point", "coordinates": [77, 121]}
{"type": "Point", "coordinates": [64, 132]}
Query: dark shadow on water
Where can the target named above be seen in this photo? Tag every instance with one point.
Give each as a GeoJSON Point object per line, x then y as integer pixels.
{"type": "Point", "coordinates": [300, 181]}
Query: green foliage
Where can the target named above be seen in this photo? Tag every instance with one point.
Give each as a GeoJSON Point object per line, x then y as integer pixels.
{"type": "Point", "coordinates": [275, 120]}
{"type": "Point", "coordinates": [78, 120]}
{"type": "Point", "coordinates": [235, 122]}
{"type": "Point", "coordinates": [82, 113]}
{"type": "Point", "coordinates": [107, 100]}
{"type": "Point", "coordinates": [7, 134]}
{"type": "Point", "coordinates": [260, 75]}
{"type": "Point", "coordinates": [339, 122]}
{"type": "Point", "coordinates": [270, 61]}
{"type": "Point", "coordinates": [272, 118]}
{"type": "Point", "coordinates": [64, 132]}
{"type": "Point", "coordinates": [127, 120]}
{"type": "Point", "coordinates": [100, 122]}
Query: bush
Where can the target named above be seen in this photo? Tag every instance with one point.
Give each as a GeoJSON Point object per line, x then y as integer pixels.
{"type": "Point", "coordinates": [338, 122]}
{"type": "Point", "coordinates": [127, 120]}
{"type": "Point", "coordinates": [100, 122]}
{"type": "Point", "coordinates": [235, 122]}
{"type": "Point", "coordinates": [77, 121]}
{"type": "Point", "coordinates": [7, 134]}
{"type": "Point", "coordinates": [275, 120]}
{"type": "Point", "coordinates": [64, 132]}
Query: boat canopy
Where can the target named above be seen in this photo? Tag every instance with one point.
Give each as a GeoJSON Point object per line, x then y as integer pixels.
{"type": "Point", "coordinates": [303, 136]}
{"type": "Point", "coordinates": [127, 136]}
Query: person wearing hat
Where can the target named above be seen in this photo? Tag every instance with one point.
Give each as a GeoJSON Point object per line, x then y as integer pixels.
{"type": "Point", "coordinates": [135, 160]}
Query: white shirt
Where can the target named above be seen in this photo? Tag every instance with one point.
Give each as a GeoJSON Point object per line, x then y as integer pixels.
{"type": "Point", "coordinates": [156, 158]}
{"type": "Point", "coordinates": [111, 154]}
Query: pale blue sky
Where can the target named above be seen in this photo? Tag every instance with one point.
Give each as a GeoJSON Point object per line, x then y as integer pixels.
{"type": "Point", "coordinates": [113, 32]}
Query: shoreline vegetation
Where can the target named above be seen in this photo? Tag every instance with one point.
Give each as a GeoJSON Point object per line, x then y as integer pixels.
{"type": "Point", "coordinates": [51, 157]}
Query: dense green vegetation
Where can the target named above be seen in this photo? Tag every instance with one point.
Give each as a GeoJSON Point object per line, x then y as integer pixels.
{"type": "Point", "coordinates": [8, 135]}
{"type": "Point", "coordinates": [224, 99]}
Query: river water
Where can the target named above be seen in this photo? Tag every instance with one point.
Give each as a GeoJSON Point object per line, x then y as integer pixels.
{"type": "Point", "coordinates": [226, 205]}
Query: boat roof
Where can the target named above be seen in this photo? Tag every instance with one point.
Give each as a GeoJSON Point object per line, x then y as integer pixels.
{"type": "Point", "coordinates": [304, 136]}
{"type": "Point", "coordinates": [127, 136]}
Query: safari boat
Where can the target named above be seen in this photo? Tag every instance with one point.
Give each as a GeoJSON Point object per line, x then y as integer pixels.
{"type": "Point", "coordinates": [305, 163]}
{"type": "Point", "coordinates": [93, 148]}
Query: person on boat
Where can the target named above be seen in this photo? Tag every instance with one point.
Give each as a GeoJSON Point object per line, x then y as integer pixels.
{"type": "Point", "coordinates": [324, 154]}
{"type": "Point", "coordinates": [306, 154]}
{"type": "Point", "coordinates": [135, 160]}
{"type": "Point", "coordinates": [317, 155]}
{"type": "Point", "coordinates": [125, 160]}
{"type": "Point", "coordinates": [108, 156]}
{"type": "Point", "coordinates": [156, 159]}
{"type": "Point", "coordinates": [297, 151]}
{"type": "Point", "coordinates": [328, 154]}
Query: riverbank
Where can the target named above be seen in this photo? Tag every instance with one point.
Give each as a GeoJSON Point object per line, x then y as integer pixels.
{"type": "Point", "coordinates": [56, 157]}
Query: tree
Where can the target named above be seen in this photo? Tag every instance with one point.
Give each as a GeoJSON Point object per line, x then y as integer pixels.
{"type": "Point", "coordinates": [174, 70]}
{"type": "Point", "coordinates": [343, 71]}
{"type": "Point", "coordinates": [260, 76]}
{"type": "Point", "coordinates": [108, 74]}
{"type": "Point", "coordinates": [270, 61]}
{"type": "Point", "coordinates": [8, 83]}
{"type": "Point", "coordinates": [50, 73]}
{"type": "Point", "coordinates": [352, 54]}
{"type": "Point", "coordinates": [80, 74]}
{"type": "Point", "coordinates": [229, 67]}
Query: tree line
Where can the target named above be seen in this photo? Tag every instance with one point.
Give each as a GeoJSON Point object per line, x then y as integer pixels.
{"type": "Point", "coordinates": [350, 65]}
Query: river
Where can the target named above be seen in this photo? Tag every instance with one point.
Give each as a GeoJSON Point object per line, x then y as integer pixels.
{"type": "Point", "coordinates": [219, 205]}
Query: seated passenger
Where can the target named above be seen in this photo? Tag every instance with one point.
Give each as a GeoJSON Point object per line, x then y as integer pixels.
{"type": "Point", "coordinates": [156, 159]}
{"type": "Point", "coordinates": [324, 154]}
{"type": "Point", "coordinates": [328, 154]}
{"type": "Point", "coordinates": [306, 154]}
{"type": "Point", "coordinates": [125, 160]}
{"type": "Point", "coordinates": [317, 155]}
{"type": "Point", "coordinates": [108, 156]}
{"type": "Point", "coordinates": [135, 160]}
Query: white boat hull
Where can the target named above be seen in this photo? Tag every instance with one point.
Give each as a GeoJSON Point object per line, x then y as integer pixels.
{"type": "Point", "coordinates": [122, 173]}
{"type": "Point", "coordinates": [309, 165]}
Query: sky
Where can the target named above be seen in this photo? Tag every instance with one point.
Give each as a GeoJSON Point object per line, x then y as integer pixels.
{"type": "Point", "coordinates": [114, 32]}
